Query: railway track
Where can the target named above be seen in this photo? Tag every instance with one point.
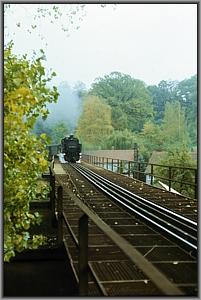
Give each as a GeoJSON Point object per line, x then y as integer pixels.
{"type": "Point", "coordinates": [182, 229]}
{"type": "Point", "coordinates": [114, 274]}
{"type": "Point", "coordinates": [180, 204]}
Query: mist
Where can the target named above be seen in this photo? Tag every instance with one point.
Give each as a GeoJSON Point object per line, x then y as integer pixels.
{"type": "Point", "coordinates": [68, 107]}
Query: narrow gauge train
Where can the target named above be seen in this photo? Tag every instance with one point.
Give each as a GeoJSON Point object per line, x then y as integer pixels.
{"type": "Point", "coordinates": [71, 148]}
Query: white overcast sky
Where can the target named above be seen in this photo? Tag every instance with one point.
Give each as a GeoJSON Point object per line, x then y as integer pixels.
{"type": "Point", "coordinates": [151, 42]}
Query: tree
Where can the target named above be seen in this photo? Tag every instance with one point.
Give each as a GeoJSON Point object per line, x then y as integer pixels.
{"type": "Point", "coordinates": [119, 119]}
{"type": "Point", "coordinates": [25, 97]}
{"type": "Point", "coordinates": [174, 127]}
{"type": "Point", "coordinates": [54, 131]}
{"type": "Point", "coordinates": [179, 157]}
{"type": "Point", "coordinates": [186, 94]}
{"type": "Point", "coordinates": [124, 139]}
{"type": "Point", "coordinates": [128, 97]}
{"type": "Point", "coordinates": [40, 127]}
{"type": "Point", "coordinates": [59, 131]}
{"type": "Point", "coordinates": [161, 94]}
{"type": "Point", "coordinates": [119, 88]}
{"type": "Point", "coordinates": [95, 122]}
{"type": "Point", "coordinates": [137, 114]}
{"type": "Point", "coordinates": [151, 139]}
{"type": "Point", "coordinates": [67, 16]}
{"type": "Point", "coordinates": [80, 89]}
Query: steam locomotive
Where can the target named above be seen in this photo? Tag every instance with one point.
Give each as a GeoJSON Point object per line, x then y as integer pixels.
{"type": "Point", "coordinates": [71, 148]}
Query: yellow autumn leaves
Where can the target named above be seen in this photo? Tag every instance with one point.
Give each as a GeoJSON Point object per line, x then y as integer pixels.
{"type": "Point", "coordinates": [25, 155]}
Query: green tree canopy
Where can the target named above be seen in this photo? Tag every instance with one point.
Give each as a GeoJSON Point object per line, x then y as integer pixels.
{"type": "Point", "coordinates": [161, 94]}
{"type": "Point", "coordinates": [119, 118]}
{"type": "Point", "coordinates": [174, 129]}
{"type": "Point", "coordinates": [179, 157]}
{"type": "Point", "coordinates": [128, 97]}
{"type": "Point", "coordinates": [119, 139]}
{"type": "Point", "coordinates": [151, 139]}
{"type": "Point", "coordinates": [94, 123]}
{"type": "Point", "coordinates": [118, 87]}
{"type": "Point", "coordinates": [54, 131]}
{"type": "Point", "coordinates": [58, 131]}
{"type": "Point", "coordinates": [186, 94]}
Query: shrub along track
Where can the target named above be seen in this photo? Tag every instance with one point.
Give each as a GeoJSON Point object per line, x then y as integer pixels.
{"type": "Point", "coordinates": [115, 274]}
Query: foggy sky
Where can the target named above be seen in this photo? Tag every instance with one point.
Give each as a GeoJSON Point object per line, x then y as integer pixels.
{"type": "Point", "coordinates": [151, 42]}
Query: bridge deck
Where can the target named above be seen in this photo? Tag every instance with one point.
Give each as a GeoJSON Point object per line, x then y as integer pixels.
{"type": "Point", "coordinates": [116, 274]}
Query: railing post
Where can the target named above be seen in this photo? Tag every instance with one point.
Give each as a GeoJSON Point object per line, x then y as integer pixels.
{"type": "Point", "coordinates": [52, 196]}
{"type": "Point", "coordinates": [60, 211]}
{"type": "Point", "coordinates": [129, 168]}
{"type": "Point", "coordinates": [121, 167]}
{"type": "Point", "coordinates": [83, 255]}
{"type": "Point", "coordinates": [138, 170]}
{"type": "Point", "coordinates": [107, 163]}
{"type": "Point", "coordinates": [152, 173]}
{"type": "Point", "coordinates": [196, 184]}
{"type": "Point", "coordinates": [170, 175]}
{"type": "Point", "coordinates": [133, 166]}
{"type": "Point", "coordinates": [112, 164]}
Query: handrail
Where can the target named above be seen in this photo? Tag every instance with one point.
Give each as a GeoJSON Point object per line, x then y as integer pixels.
{"type": "Point", "coordinates": [136, 161]}
{"type": "Point", "coordinates": [160, 280]}
{"type": "Point", "coordinates": [96, 161]}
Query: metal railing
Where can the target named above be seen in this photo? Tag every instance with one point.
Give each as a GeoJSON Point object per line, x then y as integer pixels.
{"type": "Point", "coordinates": [56, 200]}
{"type": "Point", "coordinates": [137, 169]}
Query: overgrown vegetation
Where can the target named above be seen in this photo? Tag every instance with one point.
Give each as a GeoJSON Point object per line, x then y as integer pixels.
{"type": "Point", "coordinates": [179, 158]}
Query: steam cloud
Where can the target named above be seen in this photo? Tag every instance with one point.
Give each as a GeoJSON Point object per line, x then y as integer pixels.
{"type": "Point", "coordinates": [68, 107]}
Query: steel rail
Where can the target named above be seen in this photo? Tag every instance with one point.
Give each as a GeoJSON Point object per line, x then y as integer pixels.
{"type": "Point", "coordinates": [175, 225]}
{"type": "Point", "coordinates": [191, 223]}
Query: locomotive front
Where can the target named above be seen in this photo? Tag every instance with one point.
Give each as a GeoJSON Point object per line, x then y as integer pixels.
{"type": "Point", "coordinates": [71, 148]}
